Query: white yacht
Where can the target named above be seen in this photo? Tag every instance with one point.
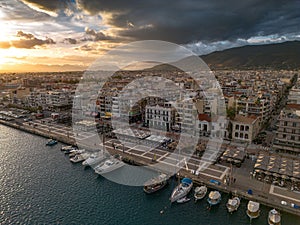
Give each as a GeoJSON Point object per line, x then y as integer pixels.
{"type": "Point", "coordinates": [108, 166]}
{"type": "Point", "coordinates": [233, 204]}
{"type": "Point", "coordinates": [200, 192]}
{"type": "Point", "coordinates": [79, 157]}
{"type": "Point", "coordinates": [95, 158]}
{"type": "Point", "coordinates": [182, 189]}
{"type": "Point", "coordinates": [253, 210]}
{"type": "Point", "coordinates": [274, 217]}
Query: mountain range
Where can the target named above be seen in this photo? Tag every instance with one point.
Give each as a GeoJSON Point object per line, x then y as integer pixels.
{"type": "Point", "coordinates": [278, 56]}
{"type": "Point", "coordinates": [284, 55]}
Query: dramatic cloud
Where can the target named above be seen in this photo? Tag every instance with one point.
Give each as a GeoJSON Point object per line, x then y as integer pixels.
{"type": "Point", "coordinates": [98, 36]}
{"type": "Point", "coordinates": [191, 20]}
{"type": "Point", "coordinates": [26, 40]}
{"type": "Point", "coordinates": [187, 21]}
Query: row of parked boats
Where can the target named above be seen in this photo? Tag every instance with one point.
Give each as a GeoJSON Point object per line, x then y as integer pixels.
{"type": "Point", "coordinates": [104, 163]}
{"type": "Point", "coordinates": [101, 162]}
{"type": "Point", "coordinates": [181, 191]}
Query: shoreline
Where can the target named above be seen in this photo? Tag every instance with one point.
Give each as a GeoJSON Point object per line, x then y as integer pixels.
{"type": "Point", "coordinates": [264, 198]}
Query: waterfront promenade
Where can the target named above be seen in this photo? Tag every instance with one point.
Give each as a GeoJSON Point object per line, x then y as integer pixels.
{"type": "Point", "coordinates": [141, 155]}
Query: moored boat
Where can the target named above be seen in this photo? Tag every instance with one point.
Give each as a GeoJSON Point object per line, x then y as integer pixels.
{"type": "Point", "coordinates": [155, 184]}
{"type": "Point", "coordinates": [109, 166]}
{"type": "Point", "coordinates": [274, 217]}
{"type": "Point", "coordinates": [253, 210]}
{"type": "Point", "coordinates": [79, 157]}
{"type": "Point", "coordinates": [76, 152]}
{"type": "Point", "coordinates": [95, 158]}
{"type": "Point", "coordinates": [182, 189]}
{"type": "Point", "coordinates": [214, 198]}
{"type": "Point", "coordinates": [233, 204]}
{"type": "Point", "coordinates": [200, 192]}
{"type": "Point", "coordinates": [51, 142]}
{"type": "Point", "coordinates": [67, 148]}
{"type": "Point", "coordinates": [183, 200]}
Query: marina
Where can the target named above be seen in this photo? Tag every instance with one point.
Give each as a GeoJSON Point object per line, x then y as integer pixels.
{"type": "Point", "coordinates": [211, 172]}
{"type": "Point", "coordinates": [95, 191]}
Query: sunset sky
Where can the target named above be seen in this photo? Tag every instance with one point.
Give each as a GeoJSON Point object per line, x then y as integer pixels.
{"type": "Point", "coordinates": [59, 35]}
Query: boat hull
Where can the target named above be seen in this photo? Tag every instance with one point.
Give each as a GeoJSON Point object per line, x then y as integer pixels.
{"type": "Point", "coordinates": [150, 190]}
{"type": "Point", "coordinates": [253, 215]}
{"type": "Point", "coordinates": [110, 169]}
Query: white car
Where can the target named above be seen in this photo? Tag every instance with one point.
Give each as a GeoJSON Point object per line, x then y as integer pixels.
{"type": "Point", "coordinates": [283, 203]}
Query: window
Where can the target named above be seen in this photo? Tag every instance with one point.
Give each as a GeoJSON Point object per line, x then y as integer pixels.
{"type": "Point", "coordinates": [236, 134]}
{"type": "Point", "coordinates": [293, 138]}
{"type": "Point", "coordinates": [241, 135]}
{"type": "Point", "coordinates": [294, 124]}
{"type": "Point", "coordinates": [237, 127]}
{"type": "Point", "coordinates": [242, 127]}
{"type": "Point", "coordinates": [247, 128]}
{"type": "Point", "coordinates": [246, 136]}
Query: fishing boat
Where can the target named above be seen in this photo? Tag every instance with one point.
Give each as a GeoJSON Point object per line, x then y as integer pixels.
{"type": "Point", "coordinates": [109, 166]}
{"type": "Point", "coordinates": [253, 210]}
{"type": "Point", "coordinates": [182, 189]}
{"type": "Point", "coordinates": [95, 158]}
{"type": "Point", "coordinates": [183, 200]}
{"type": "Point", "coordinates": [155, 184]}
{"type": "Point", "coordinates": [214, 198]}
{"type": "Point", "coordinates": [200, 192]}
{"type": "Point", "coordinates": [274, 217]}
{"type": "Point", "coordinates": [79, 157]}
{"type": "Point", "coordinates": [233, 204]}
{"type": "Point", "coordinates": [51, 142]}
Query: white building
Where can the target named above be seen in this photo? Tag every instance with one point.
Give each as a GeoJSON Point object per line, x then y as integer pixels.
{"type": "Point", "coordinates": [160, 117]}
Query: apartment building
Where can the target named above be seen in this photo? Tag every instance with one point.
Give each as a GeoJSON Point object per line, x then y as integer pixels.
{"type": "Point", "coordinates": [287, 140]}
{"type": "Point", "coordinates": [260, 107]}
{"type": "Point", "coordinates": [160, 117]}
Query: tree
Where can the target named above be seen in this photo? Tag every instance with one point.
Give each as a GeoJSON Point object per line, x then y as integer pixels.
{"type": "Point", "coordinates": [231, 113]}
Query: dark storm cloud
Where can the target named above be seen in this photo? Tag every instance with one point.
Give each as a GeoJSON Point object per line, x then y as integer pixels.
{"type": "Point", "coordinates": [192, 20]}
{"type": "Point", "coordinates": [26, 40]}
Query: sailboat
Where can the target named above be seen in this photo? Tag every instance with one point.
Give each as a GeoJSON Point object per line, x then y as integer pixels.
{"type": "Point", "coordinates": [182, 189]}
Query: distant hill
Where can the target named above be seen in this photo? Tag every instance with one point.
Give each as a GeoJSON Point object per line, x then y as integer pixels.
{"type": "Point", "coordinates": [273, 56]}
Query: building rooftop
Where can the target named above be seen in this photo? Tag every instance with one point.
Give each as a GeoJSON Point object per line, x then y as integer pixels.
{"type": "Point", "coordinates": [245, 119]}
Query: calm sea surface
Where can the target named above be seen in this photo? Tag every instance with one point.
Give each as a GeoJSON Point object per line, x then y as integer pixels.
{"type": "Point", "coordinates": [38, 185]}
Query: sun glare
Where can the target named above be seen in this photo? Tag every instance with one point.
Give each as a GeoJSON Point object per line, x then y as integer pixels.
{"type": "Point", "coordinates": [4, 28]}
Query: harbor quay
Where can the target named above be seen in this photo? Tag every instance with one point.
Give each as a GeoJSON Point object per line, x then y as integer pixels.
{"type": "Point", "coordinates": [239, 184]}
